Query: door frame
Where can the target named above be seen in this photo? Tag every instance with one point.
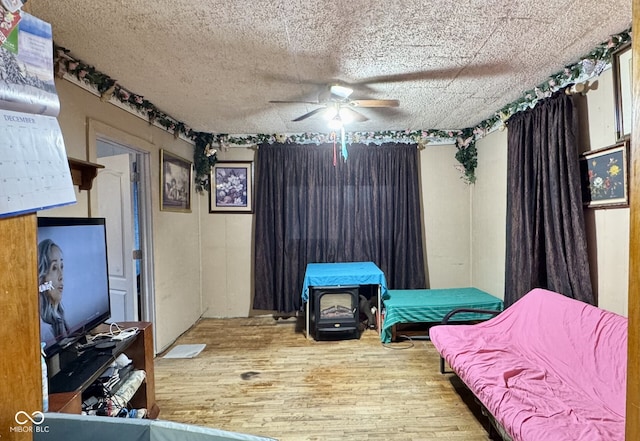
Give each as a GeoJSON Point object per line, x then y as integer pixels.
{"type": "Point", "coordinates": [632, 419]}
{"type": "Point", "coordinates": [97, 130]}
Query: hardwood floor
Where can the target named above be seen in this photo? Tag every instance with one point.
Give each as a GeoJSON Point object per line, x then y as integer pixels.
{"type": "Point", "coordinates": [263, 377]}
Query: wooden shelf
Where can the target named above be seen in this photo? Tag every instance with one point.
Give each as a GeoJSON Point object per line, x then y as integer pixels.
{"type": "Point", "coordinates": [140, 351]}
{"type": "Point", "coordinates": [83, 172]}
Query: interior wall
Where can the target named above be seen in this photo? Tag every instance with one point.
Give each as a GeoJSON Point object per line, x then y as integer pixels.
{"type": "Point", "coordinates": [176, 238]}
{"type": "Point", "coordinates": [489, 211]}
{"type": "Point", "coordinates": [607, 230]}
{"type": "Point", "coordinates": [447, 218]}
{"type": "Point", "coordinates": [227, 256]}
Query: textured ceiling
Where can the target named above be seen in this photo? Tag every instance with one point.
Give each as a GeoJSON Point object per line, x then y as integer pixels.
{"type": "Point", "coordinates": [215, 65]}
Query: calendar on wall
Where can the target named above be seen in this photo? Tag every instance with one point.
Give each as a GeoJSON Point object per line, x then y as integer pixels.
{"type": "Point", "coordinates": [34, 170]}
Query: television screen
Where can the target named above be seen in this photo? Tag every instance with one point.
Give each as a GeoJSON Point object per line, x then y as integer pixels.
{"type": "Point", "coordinates": [73, 279]}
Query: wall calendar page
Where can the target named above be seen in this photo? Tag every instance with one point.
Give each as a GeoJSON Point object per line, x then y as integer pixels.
{"type": "Point", "coordinates": [34, 170]}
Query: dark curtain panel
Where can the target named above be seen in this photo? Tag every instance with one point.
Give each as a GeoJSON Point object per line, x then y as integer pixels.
{"type": "Point", "coordinates": [309, 211]}
{"type": "Point", "coordinates": [546, 240]}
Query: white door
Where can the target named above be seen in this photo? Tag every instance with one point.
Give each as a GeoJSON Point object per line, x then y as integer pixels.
{"type": "Point", "coordinates": [114, 204]}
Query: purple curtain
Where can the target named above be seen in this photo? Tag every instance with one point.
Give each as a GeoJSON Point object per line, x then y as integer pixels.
{"type": "Point", "coordinates": [366, 208]}
{"type": "Point", "coordinates": [546, 240]}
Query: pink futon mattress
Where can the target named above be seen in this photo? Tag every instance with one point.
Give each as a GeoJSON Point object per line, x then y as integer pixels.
{"type": "Point", "coordinates": [547, 368]}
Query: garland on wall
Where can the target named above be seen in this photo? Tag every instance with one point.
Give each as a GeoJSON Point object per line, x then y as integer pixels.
{"type": "Point", "coordinates": [467, 155]}
{"type": "Point", "coordinates": [590, 66]}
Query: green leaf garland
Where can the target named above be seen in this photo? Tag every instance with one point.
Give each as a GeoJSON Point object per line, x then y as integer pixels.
{"type": "Point", "coordinates": [205, 155]}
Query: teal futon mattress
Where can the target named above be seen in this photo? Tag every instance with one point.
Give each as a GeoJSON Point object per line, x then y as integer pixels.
{"type": "Point", "coordinates": [431, 305]}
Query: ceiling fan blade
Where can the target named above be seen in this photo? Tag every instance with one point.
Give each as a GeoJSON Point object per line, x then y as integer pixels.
{"type": "Point", "coordinates": [374, 103]}
{"type": "Point", "coordinates": [309, 114]}
{"type": "Point", "coordinates": [347, 113]}
{"type": "Point", "coordinates": [476, 70]}
{"type": "Point", "coordinates": [293, 102]}
{"type": "Point", "coordinates": [340, 91]}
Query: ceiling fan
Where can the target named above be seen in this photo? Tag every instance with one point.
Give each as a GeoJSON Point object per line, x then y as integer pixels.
{"type": "Point", "coordinates": [338, 108]}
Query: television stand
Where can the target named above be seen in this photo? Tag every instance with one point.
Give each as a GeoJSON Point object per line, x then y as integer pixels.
{"type": "Point", "coordinates": [65, 394]}
{"type": "Point", "coordinates": [81, 367]}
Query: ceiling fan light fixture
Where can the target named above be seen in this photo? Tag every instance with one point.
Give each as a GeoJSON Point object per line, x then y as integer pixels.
{"type": "Point", "coordinates": [330, 113]}
{"type": "Point", "coordinates": [339, 105]}
{"type": "Point", "coordinates": [335, 123]}
{"type": "Point", "coordinates": [345, 116]}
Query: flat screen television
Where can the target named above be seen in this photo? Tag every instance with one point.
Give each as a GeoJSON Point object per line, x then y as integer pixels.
{"type": "Point", "coordinates": [73, 279]}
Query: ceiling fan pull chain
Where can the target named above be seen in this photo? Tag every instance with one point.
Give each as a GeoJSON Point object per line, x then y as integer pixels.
{"type": "Point", "coordinates": [335, 155]}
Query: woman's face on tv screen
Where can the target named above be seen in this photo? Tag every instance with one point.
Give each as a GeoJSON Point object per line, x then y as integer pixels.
{"type": "Point", "coordinates": [55, 275]}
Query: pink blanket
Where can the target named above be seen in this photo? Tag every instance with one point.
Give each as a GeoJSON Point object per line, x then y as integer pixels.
{"type": "Point", "coordinates": [547, 368]}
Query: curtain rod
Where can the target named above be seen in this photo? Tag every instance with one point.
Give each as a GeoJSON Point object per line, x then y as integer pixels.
{"type": "Point", "coordinates": [256, 147]}
{"type": "Point", "coordinates": [579, 88]}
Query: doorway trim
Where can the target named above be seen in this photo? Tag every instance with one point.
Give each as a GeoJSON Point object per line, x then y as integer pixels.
{"type": "Point", "coordinates": [97, 130]}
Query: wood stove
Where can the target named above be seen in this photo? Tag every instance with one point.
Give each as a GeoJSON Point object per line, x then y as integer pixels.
{"type": "Point", "coordinates": [334, 313]}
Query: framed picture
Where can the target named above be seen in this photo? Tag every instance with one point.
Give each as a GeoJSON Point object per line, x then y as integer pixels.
{"type": "Point", "coordinates": [604, 175]}
{"type": "Point", "coordinates": [622, 92]}
{"type": "Point", "coordinates": [231, 187]}
{"type": "Point", "coordinates": [175, 183]}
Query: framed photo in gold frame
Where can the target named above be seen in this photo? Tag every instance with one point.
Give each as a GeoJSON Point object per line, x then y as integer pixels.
{"type": "Point", "coordinates": [175, 182]}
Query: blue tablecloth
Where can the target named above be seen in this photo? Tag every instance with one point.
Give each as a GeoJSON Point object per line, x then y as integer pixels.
{"type": "Point", "coordinates": [342, 274]}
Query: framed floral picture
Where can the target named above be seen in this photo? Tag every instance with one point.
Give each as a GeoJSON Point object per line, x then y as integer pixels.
{"type": "Point", "coordinates": [175, 183]}
{"type": "Point", "coordinates": [231, 187]}
{"type": "Point", "coordinates": [605, 176]}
